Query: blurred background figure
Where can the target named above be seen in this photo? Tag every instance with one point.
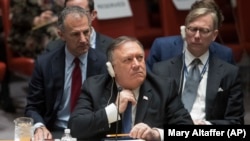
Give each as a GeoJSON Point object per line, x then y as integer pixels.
{"type": "Point", "coordinates": [32, 25]}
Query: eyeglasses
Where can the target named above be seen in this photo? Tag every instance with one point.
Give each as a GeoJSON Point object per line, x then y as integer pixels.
{"type": "Point", "coordinates": [193, 30]}
{"type": "Point", "coordinates": [87, 11]}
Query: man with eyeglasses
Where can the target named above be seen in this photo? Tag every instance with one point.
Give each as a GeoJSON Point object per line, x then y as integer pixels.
{"type": "Point", "coordinates": [98, 41]}
{"type": "Point", "coordinates": [216, 96]}
{"type": "Point", "coordinates": [164, 48]}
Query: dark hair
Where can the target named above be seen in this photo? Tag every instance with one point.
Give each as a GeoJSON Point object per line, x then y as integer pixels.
{"type": "Point", "coordinates": [118, 42]}
{"type": "Point", "coordinates": [91, 4]}
{"type": "Point", "coordinates": [77, 10]}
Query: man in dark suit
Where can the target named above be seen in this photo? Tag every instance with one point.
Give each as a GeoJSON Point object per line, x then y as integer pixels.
{"type": "Point", "coordinates": [98, 41]}
{"type": "Point", "coordinates": [164, 48]}
{"type": "Point", "coordinates": [105, 98]}
{"type": "Point", "coordinates": [48, 101]}
{"type": "Point", "coordinates": [219, 97]}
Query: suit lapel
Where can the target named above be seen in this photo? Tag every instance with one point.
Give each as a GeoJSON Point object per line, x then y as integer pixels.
{"type": "Point", "coordinates": [213, 81]}
{"type": "Point", "coordinates": [177, 70]}
{"type": "Point", "coordinates": [100, 43]}
{"type": "Point", "coordinates": [92, 63]}
{"type": "Point", "coordinates": [58, 69]}
{"type": "Point", "coordinates": [144, 99]}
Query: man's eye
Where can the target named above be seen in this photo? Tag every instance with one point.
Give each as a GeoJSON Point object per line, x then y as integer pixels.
{"type": "Point", "coordinates": [204, 30]}
{"type": "Point", "coordinates": [86, 32]}
{"type": "Point", "coordinates": [140, 58]}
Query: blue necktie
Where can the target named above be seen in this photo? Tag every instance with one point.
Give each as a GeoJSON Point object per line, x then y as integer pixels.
{"type": "Point", "coordinates": [191, 86]}
{"type": "Point", "coordinates": [127, 119]}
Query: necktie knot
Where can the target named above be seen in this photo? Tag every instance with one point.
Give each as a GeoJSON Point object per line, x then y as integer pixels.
{"type": "Point", "coordinates": [196, 61]}
{"type": "Point", "coordinates": [76, 61]}
{"type": "Point", "coordinates": [194, 72]}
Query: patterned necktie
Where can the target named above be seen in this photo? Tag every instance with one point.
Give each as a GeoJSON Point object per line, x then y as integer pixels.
{"type": "Point", "coordinates": [191, 86]}
{"type": "Point", "coordinates": [75, 84]}
{"type": "Point", "coordinates": [127, 119]}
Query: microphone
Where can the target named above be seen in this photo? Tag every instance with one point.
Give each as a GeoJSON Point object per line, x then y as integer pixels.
{"type": "Point", "coordinates": [118, 105]}
{"type": "Point", "coordinates": [119, 89]}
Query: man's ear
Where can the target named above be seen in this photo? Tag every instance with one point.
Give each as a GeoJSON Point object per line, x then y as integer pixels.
{"type": "Point", "coordinates": [60, 34]}
{"type": "Point", "coordinates": [215, 34]}
{"type": "Point", "coordinates": [93, 15]}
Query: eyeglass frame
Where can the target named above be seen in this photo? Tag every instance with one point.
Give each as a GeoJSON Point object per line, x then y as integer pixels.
{"type": "Point", "coordinates": [202, 31]}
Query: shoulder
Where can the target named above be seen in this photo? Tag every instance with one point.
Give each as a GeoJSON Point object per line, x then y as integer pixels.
{"type": "Point", "coordinates": [222, 51]}
{"type": "Point", "coordinates": [54, 44]}
{"type": "Point", "coordinates": [162, 86]}
{"type": "Point", "coordinates": [157, 80]}
{"type": "Point", "coordinates": [49, 55]}
{"type": "Point", "coordinates": [166, 63]}
{"type": "Point", "coordinates": [100, 36]}
{"type": "Point", "coordinates": [221, 48]}
{"type": "Point", "coordinates": [225, 65]}
{"type": "Point", "coordinates": [169, 42]}
{"type": "Point", "coordinates": [96, 55]}
{"type": "Point", "coordinates": [169, 39]}
{"type": "Point", "coordinates": [101, 81]}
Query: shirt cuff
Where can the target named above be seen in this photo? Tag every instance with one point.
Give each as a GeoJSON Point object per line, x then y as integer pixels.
{"type": "Point", "coordinates": [207, 122]}
{"type": "Point", "coordinates": [161, 131]}
{"type": "Point", "coordinates": [112, 113]}
{"type": "Point", "coordinates": [37, 125]}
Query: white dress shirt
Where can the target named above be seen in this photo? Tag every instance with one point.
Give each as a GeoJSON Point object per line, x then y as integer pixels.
{"type": "Point", "coordinates": [63, 113]}
{"type": "Point", "coordinates": [198, 109]}
{"type": "Point", "coordinates": [111, 111]}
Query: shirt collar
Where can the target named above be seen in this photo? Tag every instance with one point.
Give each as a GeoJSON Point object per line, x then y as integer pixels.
{"type": "Point", "coordinates": [70, 57]}
{"type": "Point", "coordinates": [92, 38]}
{"type": "Point", "coordinates": [189, 57]}
{"type": "Point", "coordinates": [135, 91]}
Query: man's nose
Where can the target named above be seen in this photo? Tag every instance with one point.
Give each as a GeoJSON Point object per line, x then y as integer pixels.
{"type": "Point", "coordinates": [83, 37]}
{"type": "Point", "coordinates": [197, 33]}
{"type": "Point", "coordinates": [135, 62]}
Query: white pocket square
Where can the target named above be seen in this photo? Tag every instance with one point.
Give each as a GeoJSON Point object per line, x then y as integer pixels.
{"type": "Point", "coordinates": [145, 97]}
{"type": "Point", "coordinates": [220, 90]}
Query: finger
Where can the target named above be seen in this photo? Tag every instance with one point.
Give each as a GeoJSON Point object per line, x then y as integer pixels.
{"type": "Point", "coordinates": [147, 134]}
{"type": "Point", "coordinates": [128, 96]}
{"type": "Point", "coordinates": [137, 130]}
{"type": "Point", "coordinates": [133, 100]}
{"type": "Point", "coordinates": [38, 135]}
{"type": "Point", "coordinates": [144, 131]}
{"type": "Point", "coordinates": [47, 135]}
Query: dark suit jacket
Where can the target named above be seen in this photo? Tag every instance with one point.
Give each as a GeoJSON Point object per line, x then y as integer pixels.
{"type": "Point", "coordinates": [89, 120]}
{"type": "Point", "coordinates": [102, 43]}
{"type": "Point", "coordinates": [47, 83]}
{"type": "Point", "coordinates": [164, 48]}
{"type": "Point", "coordinates": [222, 107]}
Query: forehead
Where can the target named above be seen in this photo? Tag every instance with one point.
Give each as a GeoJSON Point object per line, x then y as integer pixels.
{"type": "Point", "coordinates": [81, 3]}
{"type": "Point", "coordinates": [74, 20]}
{"type": "Point", "coordinates": [129, 48]}
{"type": "Point", "coordinates": [204, 20]}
